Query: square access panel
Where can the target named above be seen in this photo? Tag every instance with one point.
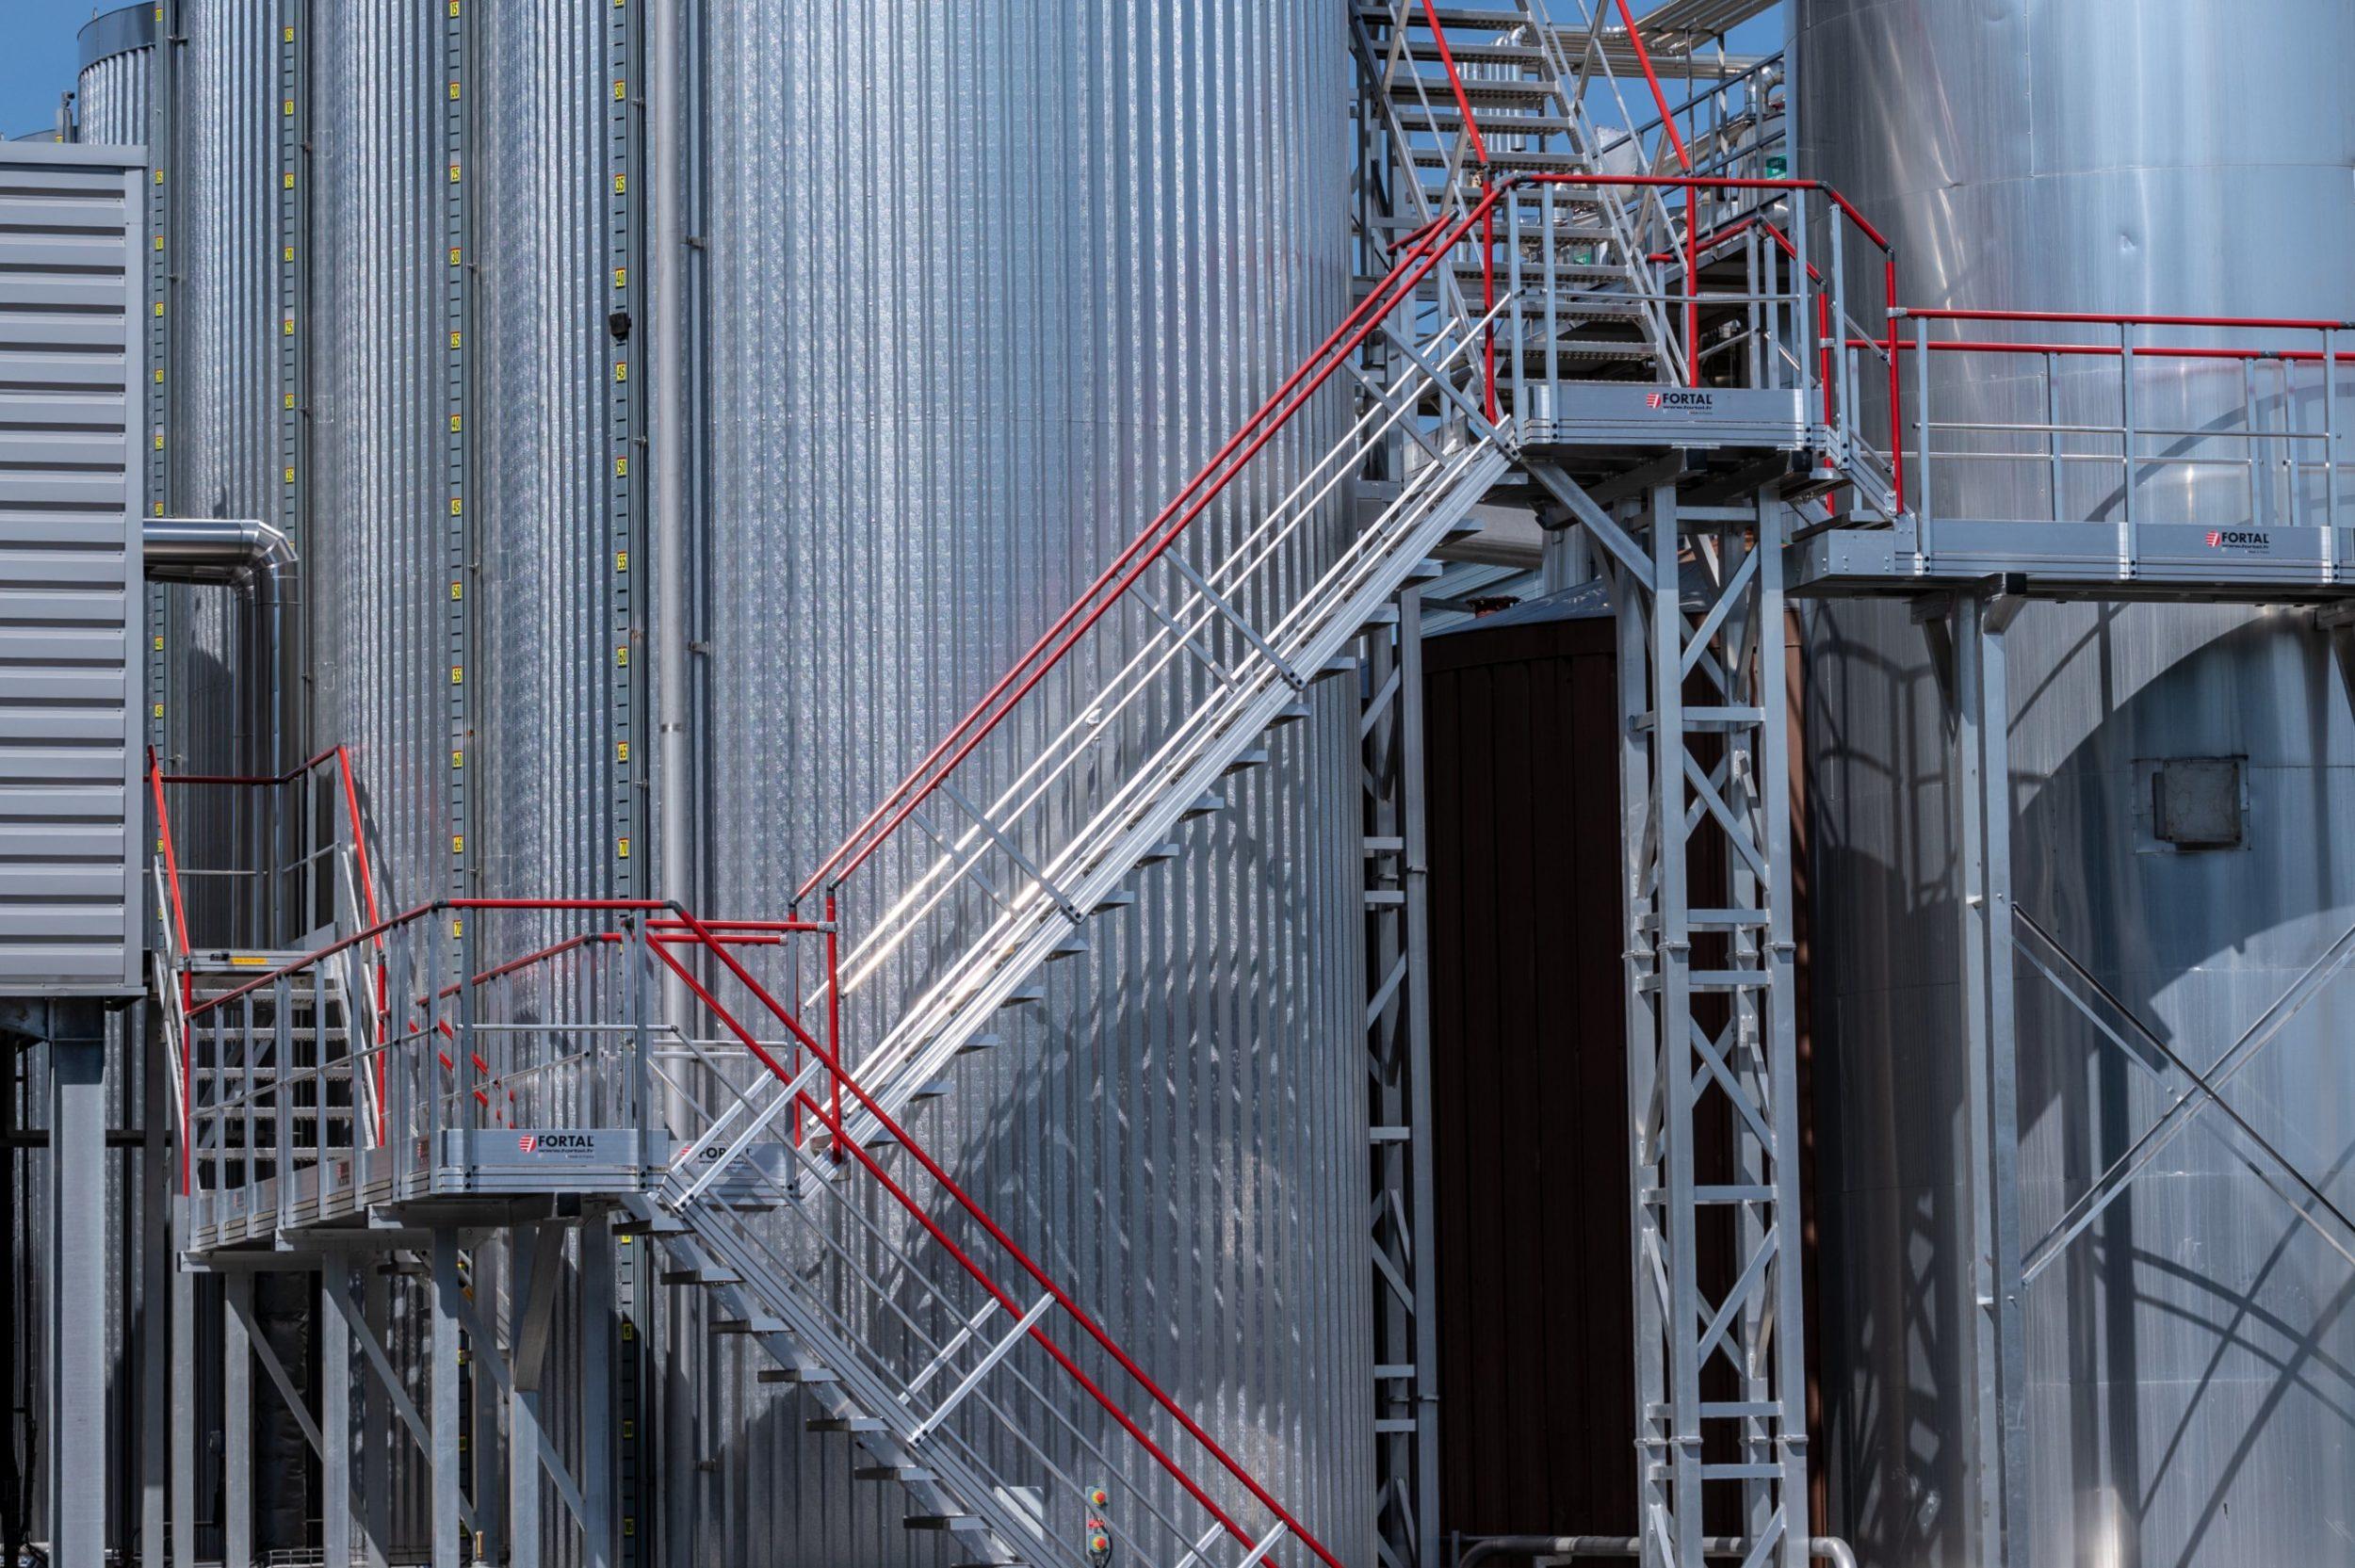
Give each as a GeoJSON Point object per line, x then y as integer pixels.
{"type": "Point", "coordinates": [2196, 803]}
{"type": "Point", "coordinates": [71, 610]}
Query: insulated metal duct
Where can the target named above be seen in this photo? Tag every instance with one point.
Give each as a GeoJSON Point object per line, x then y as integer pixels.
{"type": "Point", "coordinates": [2189, 1391]}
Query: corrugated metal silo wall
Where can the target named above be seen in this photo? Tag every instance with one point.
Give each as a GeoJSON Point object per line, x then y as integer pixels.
{"type": "Point", "coordinates": [110, 99]}
{"type": "Point", "coordinates": [2170, 157]}
{"type": "Point", "coordinates": [379, 497]}
{"type": "Point", "coordinates": [546, 825]}
{"type": "Point", "coordinates": [984, 283]}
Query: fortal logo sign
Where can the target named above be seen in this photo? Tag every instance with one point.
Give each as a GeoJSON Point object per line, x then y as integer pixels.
{"type": "Point", "coordinates": [528, 1143]}
{"type": "Point", "coordinates": [1674, 401]}
{"type": "Point", "coordinates": [2242, 539]}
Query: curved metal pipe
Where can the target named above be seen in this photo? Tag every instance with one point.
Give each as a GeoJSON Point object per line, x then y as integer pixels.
{"type": "Point", "coordinates": [230, 552]}
{"type": "Point", "coordinates": [1830, 1547]}
{"type": "Point", "coordinates": [214, 550]}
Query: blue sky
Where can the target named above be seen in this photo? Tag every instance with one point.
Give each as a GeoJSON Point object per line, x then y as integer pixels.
{"type": "Point", "coordinates": [39, 60]}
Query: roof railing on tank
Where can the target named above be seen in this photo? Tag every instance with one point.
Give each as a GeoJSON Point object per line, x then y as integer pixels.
{"type": "Point", "coordinates": [2290, 467]}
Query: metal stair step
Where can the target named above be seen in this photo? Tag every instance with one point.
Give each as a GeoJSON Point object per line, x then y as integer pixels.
{"type": "Point", "coordinates": [959, 1522]}
{"type": "Point", "coordinates": [716, 1273]}
{"type": "Point", "coordinates": [795, 1375]}
{"type": "Point", "coordinates": [1293, 713]}
{"type": "Point", "coordinates": [1339, 664]}
{"type": "Point", "coordinates": [934, 1089]}
{"type": "Point", "coordinates": [1244, 761]}
{"type": "Point", "coordinates": [904, 1474]}
{"type": "Point", "coordinates": [1072, 945]}
{"type": "Point", "coordinates": [1203, 806]}
{"type": "Point", "coordinates": [845, 1423]}
{"type": "Point", "coordinates": [758, 1323]}
{"type": "Point", "coordinates": [1119, 898]}
{"type": "Point", "coordinates": [1024, 995]}
{"type": "Point", "coordinates": [980, 1042]}
{"type": "Point", "coordinates": [1158, 854]}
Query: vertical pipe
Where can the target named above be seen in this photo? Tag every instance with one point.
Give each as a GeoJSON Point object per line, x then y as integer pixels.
{"type": "Point", "coordinates": [664, 358]}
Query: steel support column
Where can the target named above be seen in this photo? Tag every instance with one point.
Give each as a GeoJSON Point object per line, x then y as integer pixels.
{"type": "Point", "coordinates": [75, 1420]}
{"type": "Point", "coordinates": [336, 1369]}
{"type": "Point", "coordinates": [156, 1331]}
{"type": "Point", "coordinates": [443, 1376]}
{"type": "Point", "coordinates": [237, 1418]}
{"type": "Point", "coordinates": [1712, 1031]}
{"type": "Point", "coordinates": [1397, 1041]}
{"type": "Point", "coordinates": [1983, 800]}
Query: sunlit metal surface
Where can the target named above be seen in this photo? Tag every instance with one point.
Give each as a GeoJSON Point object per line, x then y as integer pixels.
{"type": "Point", "coordinates": [983, 287]}
{"type": "Point", "coordinates": [2186, 1397]}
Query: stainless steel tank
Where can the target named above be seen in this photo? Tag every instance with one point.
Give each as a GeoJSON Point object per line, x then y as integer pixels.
{"type": "Point", "coordinates": [2189, 1389]}
{"type": "Point", "coordinates": [984, 284]}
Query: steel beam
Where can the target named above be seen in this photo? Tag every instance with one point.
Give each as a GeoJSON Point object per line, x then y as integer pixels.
{"type": "Point", "coordinates": [1398, 1029]}
{"type": "Point", "coordinates": [1711, 1024]}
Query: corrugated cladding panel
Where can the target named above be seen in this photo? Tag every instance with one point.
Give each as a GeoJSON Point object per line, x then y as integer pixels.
{"type": "Point", "coordinates": [69, 572]}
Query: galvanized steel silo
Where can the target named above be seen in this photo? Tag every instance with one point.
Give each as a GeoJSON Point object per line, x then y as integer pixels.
{"type": "Point", "coordinates": [981, 285]}
{"type": "Point", "coordinates": [2188, 1391]}
{"type": "Point", "coordinates": [544, 453]}
{"type": "Point", "coordinates": [378, 486]}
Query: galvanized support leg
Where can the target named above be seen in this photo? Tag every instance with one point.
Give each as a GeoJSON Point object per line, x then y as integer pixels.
{"type": "Point", "coordinates": [1711, 1028]}
{"type": "Point", "coordinates": [442, 1395]}
{"type": "Point", "coordinates": [183, 1402]}
{"type": "Point", "coordinates": [376, 1424]}
{"type": "Point", "coordinates": [1399, 1050]}
{"type": "Point", "coordinates": [157, 1284]}
{"type": "Point", "coordinates": [76, 1417]}
{"type": "Point", "coordinates": [237, 1455]}
{"type": "Point", "coordinates": [487, 1262]}
{"type": "Point", "coordinates": [336, 1307]}
{"type": "Point", "coordinates": [597, 1413]}
{"type": "Point", "coordinates": [1983, 781]}
{"type": "Point", "coordinates": [536, 1262]}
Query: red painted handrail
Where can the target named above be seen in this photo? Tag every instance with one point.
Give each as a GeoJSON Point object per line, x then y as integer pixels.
{"type": "Point", "coordinates": [1149, 546]}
